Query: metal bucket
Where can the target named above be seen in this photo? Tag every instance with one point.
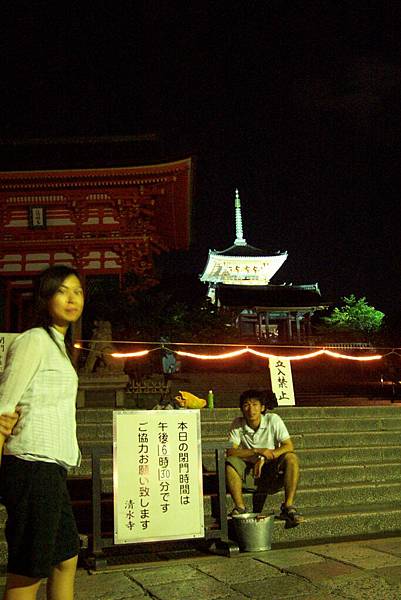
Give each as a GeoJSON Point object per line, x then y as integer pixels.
{"type": "Point", "coordinates": [254, 531]}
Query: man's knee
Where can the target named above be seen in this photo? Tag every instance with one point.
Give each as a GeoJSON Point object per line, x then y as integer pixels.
{"type": "Point", "coordinates": [236, 464]}
{"type": "Point", "coordinates": [232, 473]}
{"type": "Point", "coordinates": [290, 459]}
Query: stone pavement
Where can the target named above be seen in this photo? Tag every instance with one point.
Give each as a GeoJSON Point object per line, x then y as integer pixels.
{"type": "Point", "coordinates": [363, 570]}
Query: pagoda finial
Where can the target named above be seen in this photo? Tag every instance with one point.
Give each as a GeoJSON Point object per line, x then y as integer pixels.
{"type": "Point", "coordinates": [239, 236]}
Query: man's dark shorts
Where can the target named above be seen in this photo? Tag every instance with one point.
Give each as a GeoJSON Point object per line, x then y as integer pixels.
{"type": "Point", "coordinates": [40, 529]}
{"type": "Point", "coordinates": [271, 479]}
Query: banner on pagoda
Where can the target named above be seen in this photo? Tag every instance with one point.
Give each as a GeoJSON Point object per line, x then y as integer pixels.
{"type": "Point", "coordinates": [157, 475]}
{"type": "Point", "coordinates": [281, 380]}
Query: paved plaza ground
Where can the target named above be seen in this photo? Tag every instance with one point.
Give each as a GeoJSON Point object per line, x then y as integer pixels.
{"type": "Point", "coordinates": [360, 570]}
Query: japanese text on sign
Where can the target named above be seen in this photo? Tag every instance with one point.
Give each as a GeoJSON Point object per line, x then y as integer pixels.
{"type": "Point", "coordinates": [281, 379]}
{"type": "Point", "coordinates": [157, 475]}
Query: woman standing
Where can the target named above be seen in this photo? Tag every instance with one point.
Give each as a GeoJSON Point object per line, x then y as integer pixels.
{"type": "Point", "coordinates": [40, 381]}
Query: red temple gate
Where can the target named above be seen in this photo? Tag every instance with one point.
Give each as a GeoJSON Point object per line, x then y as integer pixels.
{"type": "Point", "coordinates": [107, 222]}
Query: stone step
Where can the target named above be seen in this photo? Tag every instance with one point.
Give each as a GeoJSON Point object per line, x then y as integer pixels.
{"type": "Point", "coordinates": [97, 423]}
{"type": "Point", "coordinates": [342, 439]}
{"type": "Point", "coordinates": [323, 425]}
{"type": "Point", "coordinates": [322, 488]}
{"type": "Point", "coordinates": [346, 439]}
{"type": "Point", "coordinates": [371, 474]}
{"type": "Point", "coordinates": [311, 412]}
{"type": "Point", "coordinates": [329, 424]}
{"type": "Point", "coordinates": [327, 524]}
{"type": "Point", "coordinates": [340, 497]}
{"type": "Point", "coordinates": [380, 514]}
{"type": "Point", "coordinates": [289, 414]}
{"type": "Point", "coordinates": [94, 432]}
{"type": "Point", "coordinates": [324, 525]}
{"type": "Point", "coordinates": [348, 412]}
{"type": "Point", "coordinates": [350, 455]}
{"type": "Point", "coordinates": [304, 433]}
{"type": "Point", "coordinates": [91, 415]}
{"type": "Point", "coordinates": [94, 415]}
{"type": "Point", "coordinates": [324, 521]}
{"type": "Point", "coordinates": [3, 517]}
{"type": "Point", "coordinates": [350, 467]}
{"type": "Point", "coordinates": [310, 475]}
{"type": "Point", "coordinates": [360, 458]}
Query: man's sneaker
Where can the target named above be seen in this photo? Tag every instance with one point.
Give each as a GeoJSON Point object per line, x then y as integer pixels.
{"type": "Point", "coordinates": [291, 516]}
{"type": "Point", "coordinates": [238, 511]}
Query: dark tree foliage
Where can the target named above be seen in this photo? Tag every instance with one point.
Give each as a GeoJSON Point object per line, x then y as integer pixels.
{"type": "Point", "coordinates": [145, 312]}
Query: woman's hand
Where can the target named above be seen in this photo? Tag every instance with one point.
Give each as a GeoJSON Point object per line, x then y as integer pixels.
{"type": "Point", "coordinates": [8, 422]}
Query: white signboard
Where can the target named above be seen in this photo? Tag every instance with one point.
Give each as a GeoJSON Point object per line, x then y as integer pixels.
{"type": "Point", "coordinates": [157, 475]}
{"type": "Point", "coordinates": [281, 378]}
{"type": "Point", "coordinates": [5, 341]}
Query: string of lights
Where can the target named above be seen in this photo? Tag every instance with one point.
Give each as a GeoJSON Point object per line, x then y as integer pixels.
{"type": "Point", "coordinates": [161, 344]}
{"type": "Point", "coordinates": [278, 356]}
{"type": "Point", "coordinates": [239, 351]}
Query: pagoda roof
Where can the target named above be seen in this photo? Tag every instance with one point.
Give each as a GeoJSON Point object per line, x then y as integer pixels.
{"type": "Point", "coordinates": [246, 250]}
{"type": "Point", "coordinates": [270, 296]}
{"type": "Point", "coordinates": [241, 263]}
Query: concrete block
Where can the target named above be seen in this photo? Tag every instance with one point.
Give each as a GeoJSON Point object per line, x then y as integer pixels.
{"type": "Point", "coordinates": [289, 588]}
{"type": "Point", "coordinates": [329, 569]}
{"type": "Point", "coordinates": [162, 574]}
{"type": "Point", "coordinates": [201, 586]}
{"type": "Point", "coordinates": [365, 586]}
{"type": "Point", "coordinates": [359, 555]}
{"type": "Point", "coordinates": [287, 558]}
{"type": "Point", "coordinates": [238, 570]}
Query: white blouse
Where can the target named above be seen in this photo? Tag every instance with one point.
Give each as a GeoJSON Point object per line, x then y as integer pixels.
{"type": "Point", "coordinates": [40, 380]}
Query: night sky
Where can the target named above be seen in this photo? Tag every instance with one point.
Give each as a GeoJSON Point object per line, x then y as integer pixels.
{"type": "Point", "coordinates": [298, 104]}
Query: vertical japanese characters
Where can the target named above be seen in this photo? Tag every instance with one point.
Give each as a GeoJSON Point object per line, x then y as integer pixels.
{"type": "Point", "coordinates": [157, 476]}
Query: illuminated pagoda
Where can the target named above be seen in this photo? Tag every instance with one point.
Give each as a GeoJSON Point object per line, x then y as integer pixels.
{"type": "Point", "coordinates": [238, 281]}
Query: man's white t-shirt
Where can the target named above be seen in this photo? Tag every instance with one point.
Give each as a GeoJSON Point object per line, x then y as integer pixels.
{"type": "Point", "coordinates": [271, 432]}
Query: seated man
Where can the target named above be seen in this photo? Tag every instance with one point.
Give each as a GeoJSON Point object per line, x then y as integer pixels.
{"type": "Point", "coordinates": [262, 450]}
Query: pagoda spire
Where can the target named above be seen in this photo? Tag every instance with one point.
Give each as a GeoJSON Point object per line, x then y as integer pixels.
{"type": "Point", "coordinates": [239, 236]}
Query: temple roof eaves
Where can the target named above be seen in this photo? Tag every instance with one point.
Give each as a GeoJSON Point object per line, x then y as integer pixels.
{"type": "Point", "coordinates": [246, 250]}
{"type": "Point", "coordinates": [272, 295]}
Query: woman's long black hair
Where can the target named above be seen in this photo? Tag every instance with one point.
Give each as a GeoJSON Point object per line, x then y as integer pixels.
{"type": "Point", "coordinates": [47, 284]}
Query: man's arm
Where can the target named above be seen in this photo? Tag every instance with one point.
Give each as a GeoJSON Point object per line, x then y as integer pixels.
{"type": "Point", "coordinates": [267, 453]}
{"type": "Point", "coordinates": [245, 453]}
{"type": "Point", "coordinates": [286, 446]}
